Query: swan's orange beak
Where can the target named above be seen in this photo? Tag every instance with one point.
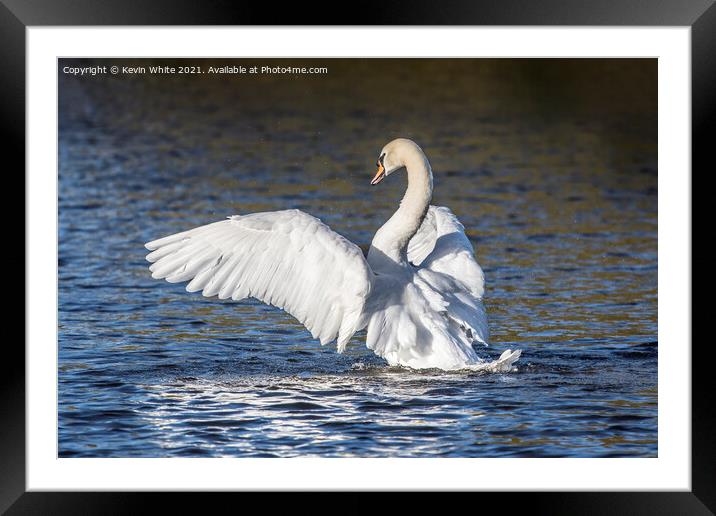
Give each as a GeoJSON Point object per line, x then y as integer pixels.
{"type": "Point", "coordinates": [379, 175]}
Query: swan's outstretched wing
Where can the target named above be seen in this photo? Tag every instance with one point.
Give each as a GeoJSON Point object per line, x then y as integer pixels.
{"type": "Point", "coordinates": [288, 259]}
{"type": "Point", "coordinates": [445, 260]}
{"type": "Point", "coordinates": [442, 246]}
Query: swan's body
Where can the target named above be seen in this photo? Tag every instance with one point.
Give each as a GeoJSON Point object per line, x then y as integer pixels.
{"type": "Point", "coordinates": [418, 294]}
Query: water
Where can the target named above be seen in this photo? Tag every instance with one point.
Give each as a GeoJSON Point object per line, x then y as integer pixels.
{"type": "Point", "coordinates": [551, 167]}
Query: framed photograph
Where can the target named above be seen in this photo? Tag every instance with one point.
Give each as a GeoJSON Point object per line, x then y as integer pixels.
{"type": "Point", "coordinates": [428, 252]}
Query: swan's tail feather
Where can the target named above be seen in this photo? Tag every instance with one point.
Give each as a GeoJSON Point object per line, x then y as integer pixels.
{"type": "Point", "coordinates": [501, 365]}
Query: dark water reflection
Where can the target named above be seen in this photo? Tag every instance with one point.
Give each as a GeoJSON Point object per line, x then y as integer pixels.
{"type": "Point", "coordinates": [551, 166]}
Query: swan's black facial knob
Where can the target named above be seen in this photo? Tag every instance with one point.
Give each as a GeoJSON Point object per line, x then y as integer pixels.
{"type": "Point", "coordinates": [380, 174]}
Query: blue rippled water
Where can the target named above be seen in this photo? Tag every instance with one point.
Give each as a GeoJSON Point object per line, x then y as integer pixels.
{"type": "Point", "coordinates": [557, 190]}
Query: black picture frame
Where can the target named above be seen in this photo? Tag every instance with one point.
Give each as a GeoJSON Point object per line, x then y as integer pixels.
{"type": "Point", "coordinates": [17, 15]}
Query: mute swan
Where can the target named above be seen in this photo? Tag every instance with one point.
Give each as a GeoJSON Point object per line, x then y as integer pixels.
{"type": "Point", "coordinates": [419, 292]}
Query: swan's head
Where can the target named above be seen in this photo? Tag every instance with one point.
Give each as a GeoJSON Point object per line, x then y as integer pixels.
{"type": "Point", "coordinates": [394, 156]}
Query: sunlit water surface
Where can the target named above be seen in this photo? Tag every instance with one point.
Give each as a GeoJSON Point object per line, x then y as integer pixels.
{"type": "Point", "coordinates": [561, 208]}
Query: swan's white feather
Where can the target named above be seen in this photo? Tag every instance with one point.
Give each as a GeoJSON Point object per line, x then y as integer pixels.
{"type": "Point", "coordinates": [410, 323]}
{"type": "Point", "coordinates": [288, 259]}
{"type": "Point", "coordinates": [465, 311]}
{"type": "Point", "coordinates": [441, 245]}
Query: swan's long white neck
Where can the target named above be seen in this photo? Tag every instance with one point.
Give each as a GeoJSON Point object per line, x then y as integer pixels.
{"type": "Point", "coordinates": [391, 240]}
